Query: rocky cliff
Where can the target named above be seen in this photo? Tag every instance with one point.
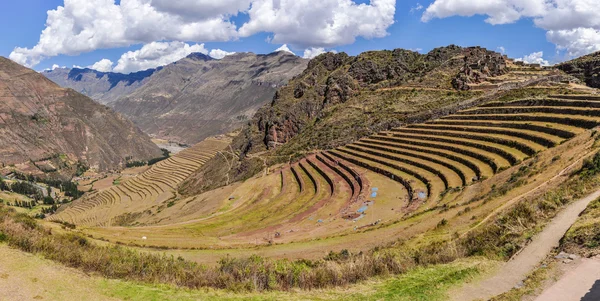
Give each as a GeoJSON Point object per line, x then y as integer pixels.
{"type": "Point", "coordinates": [311, 100]}
{"type": "Point", "coordinates": [42, 122]}
{"type": "Point", "coordinates": [104, 87]}
{"type": "Point", "coordinates": [198, 96]}
{"type": "Point", "coordinates": [586, 68]}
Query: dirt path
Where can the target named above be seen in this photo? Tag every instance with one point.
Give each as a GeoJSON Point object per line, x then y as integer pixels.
{"type": "Point", "coordinates": [516, 269]}
{"type": "Point", "coordinates": [581, 283]}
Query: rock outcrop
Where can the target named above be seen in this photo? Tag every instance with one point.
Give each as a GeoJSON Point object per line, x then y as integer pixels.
{"type": "Point", "coordinates": [479, 64]}
{"type": "Point", "coordinates": [585, 68]}
{"type": "Point", "coordinates": [61, 128]}
{"type": "Point", "coordinates": [332, 79]}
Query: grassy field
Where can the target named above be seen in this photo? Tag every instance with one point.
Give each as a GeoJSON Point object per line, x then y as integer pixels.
{"type": "Point", "coordinates": [28, 277]}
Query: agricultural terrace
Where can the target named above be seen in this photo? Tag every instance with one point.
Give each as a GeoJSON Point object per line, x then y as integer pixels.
{"type": "Point", "coordinates": [404, 181]}
{"type": "Point", "coordinates": [154, 187]}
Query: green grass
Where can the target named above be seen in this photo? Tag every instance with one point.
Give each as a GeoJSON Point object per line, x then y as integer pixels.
{"type": "Point", "coordinates": [430, 283]}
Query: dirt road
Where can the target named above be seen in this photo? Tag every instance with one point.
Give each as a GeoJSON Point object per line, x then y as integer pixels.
{"type": "Point", "coordinates": [581, 283]}
{"type": "Point", "coordinates": [515, 270]}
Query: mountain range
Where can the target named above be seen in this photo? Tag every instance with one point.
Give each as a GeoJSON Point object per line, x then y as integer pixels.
{"type": "Point", "coordinates": [104, 87]}
{"type": "Point", "coordinates": [193, 98]}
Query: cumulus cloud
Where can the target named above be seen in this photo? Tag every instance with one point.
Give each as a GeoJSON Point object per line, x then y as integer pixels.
{"type": "Point", "coordinates": [534, 58]}
{"type": "Point", "coordinates": [309, 53]}
{"type": "Point", "coordinates": [285, 48]}
{"type": "Point", "coordinates": [576, 42]}
{"type": "Point", "coordinates": [572, 25]}
{"type": "Point", "coordinates": [502, 49]}
{"type": "Point", "coordinates": [219, 54]}
{"type": "Point", "coordinates": [156, 54]}
{"type": "Point", "coordinates": [54, 67]}
{"type": "Point", "coordinates": [201, 9]}
{"type": "Point", "coordinates": [104, 65]}
{"type": "Point", "coordinates": [324, 23]}
{"type": "Point", "coordinates": [86, 25]}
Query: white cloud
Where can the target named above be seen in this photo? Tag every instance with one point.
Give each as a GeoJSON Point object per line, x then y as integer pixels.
{"type": "Point", "coordinates": [285, 48]}
{"type": "Point", "coordinates": [502, 49]}
{"type": "Point", "coordinates": [576, 42]}
{"type": "Point", "coordinates": [498, 11]}
{"type": "Point", "coordinates": [86, 25]}
{"type": "Point", "coordinates": [201, 9]}
{"type": "Point", "coordinates": [572, 25]}
{"type": "Point", "coordinates": [324, 23]}
{"type": "Point", "coordinates": [104, 65]}
{"type": "Point", "coordinates": [54, 67]}
{"type": "Point", "coordinates": [534, 58]}
{"type": "Point", "coordinates": [77, 66]}
{"type": "Point", "coordinates": [312, 52]}
{"type": "Point", "coordinates": [156, 54]}
{"type": "Point", "coordinates": [219, 54]}
{"type": "Point", "coordinates": [416, 8]}
{"type": "Point", "coordinates": [309, 53]}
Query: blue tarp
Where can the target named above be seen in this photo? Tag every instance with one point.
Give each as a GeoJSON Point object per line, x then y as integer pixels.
{"type": "Point", "coordinates": [374, 194]}
{"type": "Point", "coordinates": [374, 189]}
{"type": "Point", "coordinates": [362, 209]}
{"type": "Point", "coordinates": [422, 195]}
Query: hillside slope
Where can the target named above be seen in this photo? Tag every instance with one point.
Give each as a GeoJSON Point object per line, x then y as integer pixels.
{"type": "Point", "coordinates": [104, 87]}
{"type": "Point", "coordinates": [339, 99]}
{"type": "Point", "coordinates": [336, 91]}
{"type": "Point", "coordinates": [585, 68]}
{"type": "Point", "coordinates": [198, 96]}
{"type": "Point", "coordinates": [41, 121]}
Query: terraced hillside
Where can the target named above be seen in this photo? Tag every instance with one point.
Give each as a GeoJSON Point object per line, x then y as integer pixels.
{"type": "Point", "coordinates": [383, 178]}
{"type": "Point", "coordinates": [157, 185]}
{"type": "Point", "coordinates": [433, 158]}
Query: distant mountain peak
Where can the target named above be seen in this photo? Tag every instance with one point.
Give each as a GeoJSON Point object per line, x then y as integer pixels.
{"type": "Point", "coordinates": [198, 56]}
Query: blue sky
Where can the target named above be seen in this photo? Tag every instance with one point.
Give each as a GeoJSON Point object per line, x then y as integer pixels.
{"type": "Point", "coordinates": [451, 22]}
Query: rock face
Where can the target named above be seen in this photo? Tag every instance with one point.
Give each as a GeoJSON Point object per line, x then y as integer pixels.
{"type": "Point", "coordinates": [198, 96]}
{"type": "Point", "coordinates": [42, 122]}
{"type": "Point", "coordinates": [479, 64]}
{"type": "Point", "coordinates": [331, 79]}
{"type": "Point", "coordinates": [104, 87]}
{"type": "Point", "coordinates": [586, 68]}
